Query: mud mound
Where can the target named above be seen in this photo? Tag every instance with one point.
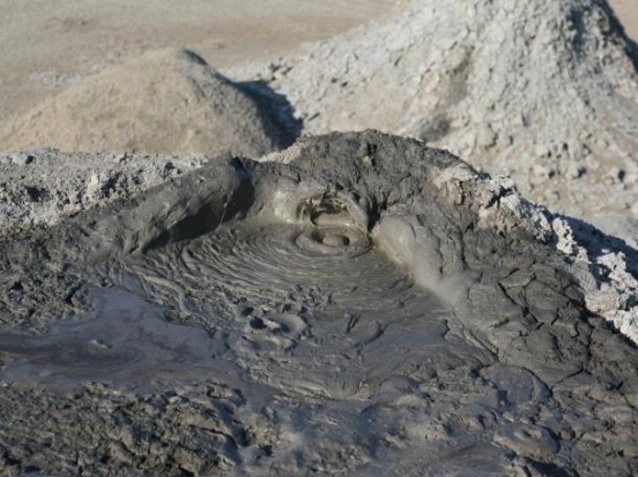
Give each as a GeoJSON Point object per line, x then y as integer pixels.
{"type": "Point", "coordinates": [545, 91]}
{"type": "Point", "coordinates": [168, 102]}
{"type": "Point", "coordinates": [363, 305]}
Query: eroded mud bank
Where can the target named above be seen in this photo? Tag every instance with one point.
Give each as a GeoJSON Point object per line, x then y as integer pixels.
{"type": "Point", "coordinates": [355, 308]}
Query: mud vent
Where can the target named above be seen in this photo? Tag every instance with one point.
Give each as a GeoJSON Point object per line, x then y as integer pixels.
{"type": "Point", "coordinates": [325, 209]}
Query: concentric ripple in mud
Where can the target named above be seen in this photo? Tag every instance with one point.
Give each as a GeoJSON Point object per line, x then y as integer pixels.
{"type": "Point", "coordinates": [344, 316]}
{"type": "Point", "coordinates": [281, 259]}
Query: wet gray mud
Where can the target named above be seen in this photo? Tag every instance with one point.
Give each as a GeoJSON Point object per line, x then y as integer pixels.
{"type": "Point", "coordinates": [123, 338]}
{"type": "Point", "coordinates": [356, 308]}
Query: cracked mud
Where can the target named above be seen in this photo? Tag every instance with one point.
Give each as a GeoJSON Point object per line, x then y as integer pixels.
{"type": "Point", "coordinates": [353, 308]}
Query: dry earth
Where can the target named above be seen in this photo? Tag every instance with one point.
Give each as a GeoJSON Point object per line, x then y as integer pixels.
{"type": "Point", "coordinates": [627, 11]}
{"type": "Point", "coordinates": [167, 101]}
{"type": "Point", "coordinates": [47, 47]}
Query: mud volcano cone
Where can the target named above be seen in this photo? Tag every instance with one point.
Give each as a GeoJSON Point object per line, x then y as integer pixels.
{"type": "Point", "coordinates": [170, 102]}
{"type": "Point", "coordinates": [545, 91]}
{"type": "Point", "coordinates": [363, 305]}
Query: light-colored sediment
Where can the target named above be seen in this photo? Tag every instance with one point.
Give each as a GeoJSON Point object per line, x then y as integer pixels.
{"type": "Point", "coordinates": [544, 91]}
{"type": "Point", "coordinates": [627, 11]}
{"type": "Point", "coordinates": [169, 101]}
{"type": "Point", "coordinates": [369, 306]}
{"type": "Point", "coordinates": [45, 49]}
{"type": "Point", "coordinates": [37, 188]}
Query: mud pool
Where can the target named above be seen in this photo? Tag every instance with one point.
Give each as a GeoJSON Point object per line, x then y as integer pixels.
{"type": "Point", "coordinates": [356, 309]}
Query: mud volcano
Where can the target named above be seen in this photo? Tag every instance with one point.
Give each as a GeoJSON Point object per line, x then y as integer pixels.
{"type": "Point", "coordinates": [362, 306]}
{"type": "Point", "coordinates": [167, 101]}
{"type": "Point", "coordinates": [495, 83]}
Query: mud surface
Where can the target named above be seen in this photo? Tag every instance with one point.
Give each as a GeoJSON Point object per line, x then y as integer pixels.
{"type": "Point", "coordinates": [359, 307]}
{"type": "Point", "coordinates": [123, 338]}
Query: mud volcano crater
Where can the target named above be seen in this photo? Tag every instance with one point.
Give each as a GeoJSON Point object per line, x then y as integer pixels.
{"type": "Point", "coordinates": [367, 304]}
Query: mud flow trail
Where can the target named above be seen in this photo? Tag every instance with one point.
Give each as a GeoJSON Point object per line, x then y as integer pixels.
{"type": "Point", "coordinates": [345, 310]}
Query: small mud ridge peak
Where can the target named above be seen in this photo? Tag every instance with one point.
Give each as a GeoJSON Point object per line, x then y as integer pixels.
{"type": "Point", "coordinates": [353, 316]}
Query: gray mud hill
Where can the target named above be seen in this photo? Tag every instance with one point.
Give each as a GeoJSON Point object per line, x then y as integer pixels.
{"type": "Point", "coordinates": [167, 101]}
{"type": "Point", "coordinates": [544, 91]}
{"type": "Point", "coordinates": [362, 305]}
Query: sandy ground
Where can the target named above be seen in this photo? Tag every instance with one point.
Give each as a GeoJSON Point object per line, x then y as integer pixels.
{"type": "Point", "coordinates": [167, 101]}
{"type": "Point", "coordinates": [46, 47]}
{"type": "Point", "coordinates": [627, 11]}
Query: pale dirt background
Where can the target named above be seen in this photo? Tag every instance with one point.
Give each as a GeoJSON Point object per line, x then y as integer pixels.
{"type": "Point", "coordinates": [46, 46]}
{"type": "Point", "coordinates": [627, 11]}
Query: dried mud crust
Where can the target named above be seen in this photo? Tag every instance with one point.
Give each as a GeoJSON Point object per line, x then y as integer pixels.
{"type": "Point", "coordinates": [373, 307]}
{"type": "Point", "coordinates": [37, 187]}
